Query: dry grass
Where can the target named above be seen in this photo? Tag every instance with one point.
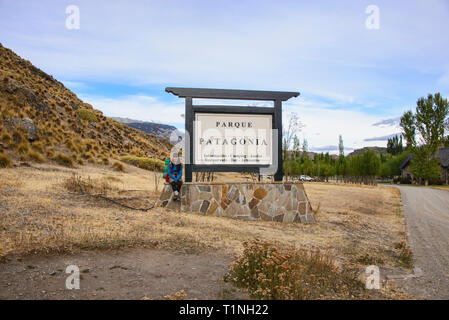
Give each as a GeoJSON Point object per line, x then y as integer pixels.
{"type": "Point", "coordinates": [117, 166]}
{"type": "Point", "coordinates": [271, 272]}
{"type": "Point", "coordinates": [5, 161]}
{"type": "Point", "coordinates": [356, 225]}
{"type": "Point", "coordinates": [347, 228]}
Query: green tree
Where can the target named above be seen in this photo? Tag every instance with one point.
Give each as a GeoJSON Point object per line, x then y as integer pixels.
{"type": "Point", "coordinates": [424, 165]}
{"type": "Point", "coordinates": [429, 121]}
{"type": "Point", "coordinates": [409, 129]}
{"type": "Point", "coordinates": [394, 145]}
{"type": "Point", "coordinates": [341, 148]}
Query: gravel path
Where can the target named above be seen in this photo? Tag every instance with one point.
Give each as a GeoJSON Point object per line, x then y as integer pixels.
{"type": "Point", "coordinates": [427, 217]}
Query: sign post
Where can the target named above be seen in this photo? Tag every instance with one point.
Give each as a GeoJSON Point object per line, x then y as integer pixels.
{"type": "Point", "coordinates": [232, 138]}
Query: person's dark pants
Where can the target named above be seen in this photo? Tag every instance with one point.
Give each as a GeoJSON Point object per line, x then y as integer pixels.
{"type": "Point", "coordinates": [176, 185]}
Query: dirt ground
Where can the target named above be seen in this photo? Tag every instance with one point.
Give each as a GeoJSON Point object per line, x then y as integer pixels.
{"type": "Point", "coordinates": [124, 274]}
{"type": "Point", "coordinates": [39, 217]}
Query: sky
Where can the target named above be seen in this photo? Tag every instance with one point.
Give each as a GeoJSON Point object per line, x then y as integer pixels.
{"type": "Point", "coordinates": [353, 79]}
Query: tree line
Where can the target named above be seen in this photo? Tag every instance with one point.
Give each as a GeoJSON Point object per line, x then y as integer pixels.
{"type": "Point", "coordinates": [364, 168]}
{"type": "Point", "coordinates": [424, 131]}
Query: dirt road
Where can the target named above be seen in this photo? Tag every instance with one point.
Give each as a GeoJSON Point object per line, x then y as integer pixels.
{"type": "Point", "coordinates": [124, 274]}
{"type": "Point", "coordinates": [427, 217]}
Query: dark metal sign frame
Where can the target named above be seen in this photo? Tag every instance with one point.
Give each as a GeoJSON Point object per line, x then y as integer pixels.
{"type": "Point", "coordinates": [225, 94]}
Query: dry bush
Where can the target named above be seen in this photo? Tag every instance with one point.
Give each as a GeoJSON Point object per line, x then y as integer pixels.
{"type": "Point", "coordinates": [23, 148]}
{"type": "Point", "coordinates": [35, 156]}
{"type": "Point", "coordinates": [270, 272]}
{"type": "Point", "coordinates": [5, 161]}
{"type": "Point", "coordinates": [144, 163]}
{"type": "Point", "coordinates": [38, 146]}
{"type": "Point", "coordinates": [6, 137]}
{"type": "Point", "coordinates": [78, 184]}
{"type": "Point", "coordinates": [104, 160]}
{"type": "Point", "coordinates": [86, 114]}
{"type": "Point", "coordinates": [50, 153]}
{"type": "Point", "coordinates": [117, 166]}
{"type": "Point", "coordinates": [64, 160]}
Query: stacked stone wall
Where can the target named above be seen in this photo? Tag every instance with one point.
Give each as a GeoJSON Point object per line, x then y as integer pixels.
{"type": "Point", "coordinates": [283, 201]}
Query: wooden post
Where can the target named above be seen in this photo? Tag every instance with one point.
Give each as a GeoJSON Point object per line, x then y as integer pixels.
{"type": "Point", "coordinates": [278, 176]}
{"type": "Point", "coordinates": [189, 144]}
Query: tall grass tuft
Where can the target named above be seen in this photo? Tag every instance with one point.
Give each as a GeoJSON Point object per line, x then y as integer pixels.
{"type": "Point", "coordinates": [269, 272]}
{"type": "Point", "coordinates": [86, 114]}
{"type": "Point", "coordinates": [5, 161]}
{"type": "Point", "coordinates": [63, 160]}
{"type": "Point", "coordinates": [144, 163]}
{"type": "Point", "coordinates": [117, 166]}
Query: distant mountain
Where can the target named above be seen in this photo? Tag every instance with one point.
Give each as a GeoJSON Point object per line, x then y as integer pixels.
{"type": "Point", "coordinates": [377, 150]}
{"type": "Point", "coordinates": [158, 129]}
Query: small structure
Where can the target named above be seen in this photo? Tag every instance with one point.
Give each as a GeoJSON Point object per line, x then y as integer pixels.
{"type": "Point", "coordinates": [442, 155]}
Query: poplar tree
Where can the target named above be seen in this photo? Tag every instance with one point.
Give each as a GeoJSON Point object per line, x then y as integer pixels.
{"type": "Point", "coordinates": [428, 124]}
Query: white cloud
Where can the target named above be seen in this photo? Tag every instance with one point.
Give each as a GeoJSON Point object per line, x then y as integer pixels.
{"type": "Point", "coordinates": [321, 49]}
{"type": "Point", "coordinates": [74, 85]}
{"type": "Point", "coordinates": [323, 125]}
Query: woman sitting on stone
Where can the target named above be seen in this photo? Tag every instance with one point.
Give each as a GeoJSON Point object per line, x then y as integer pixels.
{"type": "Point", "coordinates": [175, 175]}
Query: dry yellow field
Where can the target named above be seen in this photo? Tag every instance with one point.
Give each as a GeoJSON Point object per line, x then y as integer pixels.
{"type": "Point", "coordinates": [356, 225]}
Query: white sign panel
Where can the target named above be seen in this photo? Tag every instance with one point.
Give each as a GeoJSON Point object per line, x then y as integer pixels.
{"type": "Point", "coordinates": [232, 139]}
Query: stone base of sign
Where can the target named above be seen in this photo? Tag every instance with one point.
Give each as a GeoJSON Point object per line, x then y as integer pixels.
{"type": "Point", "coordinates": [276, 201]}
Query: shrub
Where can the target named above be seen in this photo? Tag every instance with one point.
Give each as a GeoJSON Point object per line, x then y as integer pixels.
{"type": "Point", "coordinates": [38, 146]}
{"type": "Point", "coordinates": [6, 137]}
{"type": "Point", "coordinates": [5, 161]}
{"type": "Point", "coordinates": [144, 163]}
{"type": "Point", "coordinates": [78, 184]}
{"type": "Point", "coordinates": [50, 153]}
{"type": "Point", "coordinates": [105, 160]}
{"type": "Point", "coordinates": [17, 136]}
{"type": "Point", "coordinates": [35, 156]}
{"type": "Point", "coordinates": [63, 160]}
{"type": "Point", "coordinates": [117, 166]}
{"type": "Point", "coordinates": [86, 114]}
{"type": "Point", "coordinates": [269, 272]}
{"type": "Point", "coordinates": [23, 148]}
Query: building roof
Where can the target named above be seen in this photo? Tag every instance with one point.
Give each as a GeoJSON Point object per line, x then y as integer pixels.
{"type": "Point", "coordinates": [406, 161]}
{"type": "Point", "coordinates": [443, 155]}
{"type": "Point", "coordinates": [205, 93]}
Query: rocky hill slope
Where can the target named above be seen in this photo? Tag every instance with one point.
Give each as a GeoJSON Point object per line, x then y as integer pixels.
{"type": "Point", "coordinates": [41, 120]}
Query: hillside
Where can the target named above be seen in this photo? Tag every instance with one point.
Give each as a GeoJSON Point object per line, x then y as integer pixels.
{"type": "Point", "coordinates": [359, 152]}
{"type": "Point", "coordinates": [41, 120]}
{"type": "Point", "coordinates": [158, 129]}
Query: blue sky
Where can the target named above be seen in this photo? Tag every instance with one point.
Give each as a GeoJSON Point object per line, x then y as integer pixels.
{"type": "Point", "coordinates": [353, 81]}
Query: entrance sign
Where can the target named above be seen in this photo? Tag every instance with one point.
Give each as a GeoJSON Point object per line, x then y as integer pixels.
{"type": "Point", "coordinates": [232, 138]}
{"type": "Point", "coordinates": [228, 139]}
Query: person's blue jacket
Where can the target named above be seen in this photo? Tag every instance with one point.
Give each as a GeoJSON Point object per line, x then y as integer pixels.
{"type": "Point", "coordinates": [175, 171]}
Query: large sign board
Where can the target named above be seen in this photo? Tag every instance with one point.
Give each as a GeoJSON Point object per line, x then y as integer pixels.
{"type": "Point", "coordinates": [233, 139]}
